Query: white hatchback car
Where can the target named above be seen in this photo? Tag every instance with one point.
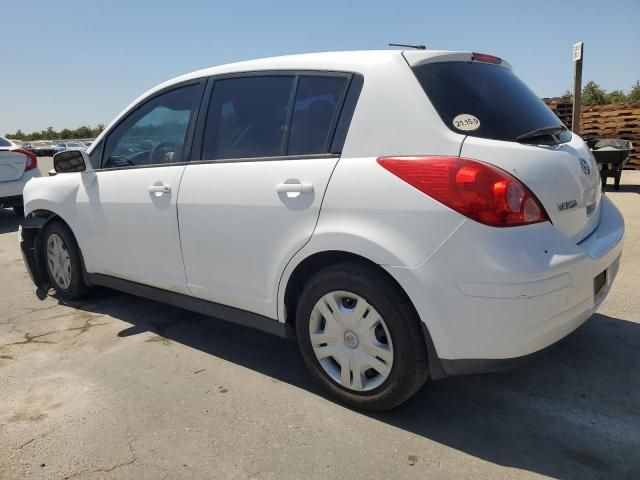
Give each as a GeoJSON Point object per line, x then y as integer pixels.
{"type": "Point", "coordinates": [17, 167]}
{"type": "Point", "coordinates": [404, 214]}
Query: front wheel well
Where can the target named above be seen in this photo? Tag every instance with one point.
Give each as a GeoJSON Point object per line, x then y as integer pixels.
{"type": "Point", "coordinates": [40, 219]}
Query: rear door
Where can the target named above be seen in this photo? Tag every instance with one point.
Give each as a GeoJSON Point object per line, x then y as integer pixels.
{"type": "Point", "coordinates": [252, 197]}
{"type": "Point", "coordinates": [486, 101]}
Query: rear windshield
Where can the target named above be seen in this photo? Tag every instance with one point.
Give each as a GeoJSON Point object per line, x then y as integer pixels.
{"type": "Point", "coordinates": [484, 100]}
{"type": "Point", "coordinates": [4, 142]}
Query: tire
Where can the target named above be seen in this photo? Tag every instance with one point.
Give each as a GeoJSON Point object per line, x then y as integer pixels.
{"type": "Point", "coordinates": [69, 286]}
{"type": "Point", "coordinates": [399, 334]}
{"type": "Point", "coordinates": [19, 210]}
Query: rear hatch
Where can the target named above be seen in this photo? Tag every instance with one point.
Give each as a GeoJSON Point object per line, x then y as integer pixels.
{"type": "Point", "coordinates": [12, 164]}
{"type": "Point", "coordinates": [508, 126]}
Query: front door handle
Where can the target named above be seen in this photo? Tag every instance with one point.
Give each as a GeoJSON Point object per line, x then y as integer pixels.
{"type": "Point", "coordinates": [159, 189]}
{"type": "Point", "coordinates": [294, 188]}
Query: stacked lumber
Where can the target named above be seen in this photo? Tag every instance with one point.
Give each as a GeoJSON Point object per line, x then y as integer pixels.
{"type": "Point", "coordinates": [621, 120]}
{"type": "Point", "coordinates": [562, 107]}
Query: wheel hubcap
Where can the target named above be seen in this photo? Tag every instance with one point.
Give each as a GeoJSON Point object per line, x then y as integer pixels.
{"type": "Point", "coordinates": [351, 341]}
{"type": "Point", "coordinates": [59, 261]}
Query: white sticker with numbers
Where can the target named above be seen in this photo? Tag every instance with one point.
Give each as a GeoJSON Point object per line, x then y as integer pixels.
{"type": "Point", "coordinates": [466, 122]}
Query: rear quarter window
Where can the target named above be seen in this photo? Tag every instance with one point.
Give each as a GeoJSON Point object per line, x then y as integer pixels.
{"type": "Point", "coordinates": [502, 103]}
{"type": "Point", "coordinates": [314, 114]}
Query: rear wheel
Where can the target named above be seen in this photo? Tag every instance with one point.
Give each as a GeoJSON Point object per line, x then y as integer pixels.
{"type": "Point", "coordinates": [64, 265]}
{"type": "Point", "coordinates": [360, 337]}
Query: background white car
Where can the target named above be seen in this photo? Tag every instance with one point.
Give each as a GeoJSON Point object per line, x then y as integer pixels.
{"type": "Point", "coordinates": [17, 167]}
{"type": "Point", "coordinates": [405, 214]}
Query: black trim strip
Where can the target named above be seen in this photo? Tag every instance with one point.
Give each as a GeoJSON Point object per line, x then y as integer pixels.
{"type": "Point", "coordinates": [471, 366]}
{"type": "Point", "coordinates": [204, 307]}
{"type": "Point", "coordinates": [284, 147]}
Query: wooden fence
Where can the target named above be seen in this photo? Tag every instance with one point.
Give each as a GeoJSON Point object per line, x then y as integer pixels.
{"type": "Point", "coordinates": [620, 120]}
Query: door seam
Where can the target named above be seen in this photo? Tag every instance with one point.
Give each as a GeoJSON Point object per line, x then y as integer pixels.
{"type": "Point", "coordinates": [324, 194]}
{"type": "Point", "coordinates": [184, 267]}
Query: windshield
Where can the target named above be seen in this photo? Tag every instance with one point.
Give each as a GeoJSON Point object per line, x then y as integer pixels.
{"type": "Point", "coordinates": [485, 100]}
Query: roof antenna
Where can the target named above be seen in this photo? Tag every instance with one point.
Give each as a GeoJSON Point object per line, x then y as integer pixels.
{"type": "Point", "coordinates": [417, 47]}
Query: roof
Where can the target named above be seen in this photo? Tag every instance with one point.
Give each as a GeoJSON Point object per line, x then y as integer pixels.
{"type": "Point", "coordinates": [359, 61]}
{"type": "Point", "coordinates": [350, 60]}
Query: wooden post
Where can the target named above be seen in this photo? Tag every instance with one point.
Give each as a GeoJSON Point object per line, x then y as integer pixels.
{"type": "Point", "coordinates": [578, 49]}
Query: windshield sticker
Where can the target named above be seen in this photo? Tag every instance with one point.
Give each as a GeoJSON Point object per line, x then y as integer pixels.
{"type": "Point", "coordinates": [466, 122]}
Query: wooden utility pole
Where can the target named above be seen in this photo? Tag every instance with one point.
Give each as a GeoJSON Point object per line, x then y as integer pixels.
{"type": "Point", "coordinates": [578, 49]}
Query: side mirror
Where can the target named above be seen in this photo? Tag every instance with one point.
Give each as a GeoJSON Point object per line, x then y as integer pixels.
{"type": "Point", "coordinates": [70, 161]}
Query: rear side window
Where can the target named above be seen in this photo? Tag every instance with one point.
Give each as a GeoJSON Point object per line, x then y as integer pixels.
{"type": "Point", "coordinates": [315, 113]}
{"type": "Point", "coordinates": [248, 117]}
{"type": "Point", "coordinates": [272, 115]}
{"type": "Point", "coordinates": [505, 108]}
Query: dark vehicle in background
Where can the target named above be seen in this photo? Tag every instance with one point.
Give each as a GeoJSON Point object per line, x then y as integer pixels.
{"type": "Point", "coordinates": [48, 148]}
{"type": "Point", "coordinates": [44, 148]}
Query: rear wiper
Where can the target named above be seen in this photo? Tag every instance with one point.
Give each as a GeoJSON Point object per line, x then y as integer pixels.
{"type": "Point", "coordinates": [553, 130]}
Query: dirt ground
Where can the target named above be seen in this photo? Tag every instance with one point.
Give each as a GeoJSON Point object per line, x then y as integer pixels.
{"type": "Point", "coordinates": [120, 387]}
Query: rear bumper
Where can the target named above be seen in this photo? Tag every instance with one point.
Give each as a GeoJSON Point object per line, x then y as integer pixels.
{"type": "Point", "coordinates": [491, 297]}
{"type": "Point", "coordinates": [11, 191]}
{"type": "Point", "coordinates": [8, 202]}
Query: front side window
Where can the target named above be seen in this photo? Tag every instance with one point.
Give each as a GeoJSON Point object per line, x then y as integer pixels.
{"type": "Point", "coordinates": [154, 133]}
{"type": "Point", "coordinates": [96, 155]}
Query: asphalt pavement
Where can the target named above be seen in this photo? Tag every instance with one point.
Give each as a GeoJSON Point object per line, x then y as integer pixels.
{"type": "Point", "coordinates": [120, 387]}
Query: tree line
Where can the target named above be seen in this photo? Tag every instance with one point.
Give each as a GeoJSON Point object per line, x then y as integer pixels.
{"type": "Point", "coordinates": [51, 134]}
{"type": "Point", "coordinates": [594, 94]}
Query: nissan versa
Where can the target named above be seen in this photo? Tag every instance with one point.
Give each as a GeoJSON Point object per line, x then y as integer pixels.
{"type": "Point", "coordinates": [404, 214]}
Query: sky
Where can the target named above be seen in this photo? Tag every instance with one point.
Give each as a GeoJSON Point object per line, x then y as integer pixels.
{"type": "Point", "coordinates": [68, 63]}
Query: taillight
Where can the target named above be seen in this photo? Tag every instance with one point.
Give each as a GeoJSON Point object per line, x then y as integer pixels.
{"type": "Point", "coordinates": [476, 189]}
{"type": "Point", "coordinates": [483, 57]}
{"type": "Point", "coordinates": [32, 159]}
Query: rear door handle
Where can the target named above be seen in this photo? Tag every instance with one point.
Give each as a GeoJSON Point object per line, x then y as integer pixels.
{"type": "Point", "coordinates": [159, 189]}
{"type": "Point", "coordinates": [294, 188]}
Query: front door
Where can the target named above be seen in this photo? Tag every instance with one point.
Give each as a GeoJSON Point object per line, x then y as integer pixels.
{"type": "Point", "coordinates": [127, 207]}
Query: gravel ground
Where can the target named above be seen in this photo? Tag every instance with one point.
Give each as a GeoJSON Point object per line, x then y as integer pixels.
{"type": "Point", "coordinates": [120, 387]}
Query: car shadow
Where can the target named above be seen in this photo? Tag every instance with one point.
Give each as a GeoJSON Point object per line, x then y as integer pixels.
{"type": "Point", "coordinates": [9, 221]}
{"type": "Point", "coordinates": [573, 412]}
